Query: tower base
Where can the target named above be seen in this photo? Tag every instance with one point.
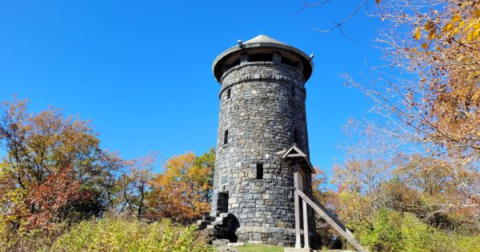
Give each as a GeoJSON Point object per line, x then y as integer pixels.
{"type": "Point", "coordinates": [267, 235]}
{"type": "Point", "coordinates": [224, 226]}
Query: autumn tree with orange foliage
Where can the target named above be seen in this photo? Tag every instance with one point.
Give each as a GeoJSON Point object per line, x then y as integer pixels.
{"type": "Point", "coordinates": [182, 191]}
{"type": "Point", "coordinates": [54, 175]}
{"type": "Point", "coordinates": [53, 172]}
{"type": "Point", "coordinates": [58, 199]}
{"type": "Point", "coordinates": [381, 181]}
{"type": "Point", "coordinates": [433, 95]}
{"type": "Point", "coordinates": [431, 102]}
{"type": "Point", "coordinates": [421, 158]}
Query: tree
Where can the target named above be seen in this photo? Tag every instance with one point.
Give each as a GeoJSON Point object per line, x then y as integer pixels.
{"type": "Point", "coordinates": [134, 184]}
{"type": "Point", "coordinates": [436, 193]}
{"type": "Point", "coordinates": [60, 198]}
{"type": "Point", "coordinates": [436, 104]}
{"type": "Point", "coordinates": [429, 96]}
{"type": "Point", "coordinates": [207, 160]}
{"type": "Point", "coordinates": [378, 176]}
{"type": "Point", "coordinates": [434, 44]}
{"type": "Point", "coordinates": [57, 165]}
{"type": "Point", "coordinates": [183, 190]}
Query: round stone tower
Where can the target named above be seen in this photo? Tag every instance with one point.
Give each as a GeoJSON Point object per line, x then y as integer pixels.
{"type": "Point", "coordinates": [262, 112]}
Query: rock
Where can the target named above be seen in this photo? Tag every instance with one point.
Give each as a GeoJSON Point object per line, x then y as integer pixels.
{"type": "Point", "coordinates": [220, 242]}
{"type": "Point", "coordinates": [226, 249]}
{"type": "Point", "coordinates": [225, 228]}
{"type": "Point", "coordinates": [212, 232]}
{"type": "Point", "coordinates": [236, 244]}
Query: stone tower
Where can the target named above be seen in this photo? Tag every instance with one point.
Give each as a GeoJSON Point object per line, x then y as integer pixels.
{"type": "Point", "coordinates": [262, 112]}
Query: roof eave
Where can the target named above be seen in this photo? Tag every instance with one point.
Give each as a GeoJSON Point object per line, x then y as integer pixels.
{"type": "Point", "coordinates": [284, 155]}
{"type": "Point", "coordinates": [246, 46]}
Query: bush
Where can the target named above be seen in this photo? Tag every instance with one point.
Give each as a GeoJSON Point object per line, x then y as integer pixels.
{"type": "Point", "coordinates": [393, 231]}
{"type": "Point", "coordinates": [114, 234]}
{"type": "Point", "coordinates": [383, 233]}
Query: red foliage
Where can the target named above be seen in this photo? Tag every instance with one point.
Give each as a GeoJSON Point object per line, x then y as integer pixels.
{"type": "Point", "coordinates": [57, 199]}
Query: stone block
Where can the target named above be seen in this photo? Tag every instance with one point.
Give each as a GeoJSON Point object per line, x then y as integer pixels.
{"type": "Point", "coordinates": [220, 242]}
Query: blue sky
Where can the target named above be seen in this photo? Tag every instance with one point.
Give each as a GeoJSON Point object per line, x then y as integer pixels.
{"type": "Point", "coordinates": [141, 70]}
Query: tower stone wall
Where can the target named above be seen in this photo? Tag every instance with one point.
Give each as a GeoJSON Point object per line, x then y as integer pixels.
{"type": "Point", "coordinates": [262, 112]}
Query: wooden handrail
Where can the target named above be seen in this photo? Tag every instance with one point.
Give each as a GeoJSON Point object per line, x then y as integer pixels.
{"type": "Point", "coordinates": [331, 219]}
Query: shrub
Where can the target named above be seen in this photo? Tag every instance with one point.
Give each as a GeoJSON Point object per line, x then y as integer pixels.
{"type": "Point", "coordinates": [393, 231]}
{"type": "Point", "coordinates": [383, 233]}
{"type": "Point", "coordinates": [114, 234]}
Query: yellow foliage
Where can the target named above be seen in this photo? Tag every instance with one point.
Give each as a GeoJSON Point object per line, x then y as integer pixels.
{"type": "Point", "coordinates": [182, 190]}
{"type": "Point", "coordinates": [12, 209]}
{"type": "Point", "coordinates": [418, 33]}
{"type": "Point", "coordinates": [444, 51]}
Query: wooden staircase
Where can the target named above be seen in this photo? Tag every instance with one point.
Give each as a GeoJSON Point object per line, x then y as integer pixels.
{"type": "Point", "coordinates": [298, 161]}
{"type": "Point", "coordinates": [330, 219]}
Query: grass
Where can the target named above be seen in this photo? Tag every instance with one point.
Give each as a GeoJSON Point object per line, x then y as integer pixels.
{"type": "Point", "coordinates": [260, 248]}
{"type": "Point", "coordinates": [268, 248]}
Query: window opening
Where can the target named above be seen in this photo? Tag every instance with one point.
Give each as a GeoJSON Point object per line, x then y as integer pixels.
{"type": "Point", "coordinates": [222, 202]}
{"type": "Point", "coordinates": [225, 137]}
{"type": "Point", "coordinates": [287, 62]}
{"type": "Point", "coordinates": [229, 93]}
{"type": "Point", "coordinates": [295, 136]}
{"type": "Point", "coordinates": [261, 57]}
{"type": "Point", "coordinates": [259, 170]}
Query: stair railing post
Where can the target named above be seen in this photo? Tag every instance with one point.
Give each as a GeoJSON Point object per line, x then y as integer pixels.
{"type": "Point", "coordinates": [305, 225]}
{"type": "Point", "coordinates": [298, 242]}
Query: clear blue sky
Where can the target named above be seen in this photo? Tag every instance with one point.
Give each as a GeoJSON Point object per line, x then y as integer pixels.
{"type": "Point", "coordinates": [141, 70]}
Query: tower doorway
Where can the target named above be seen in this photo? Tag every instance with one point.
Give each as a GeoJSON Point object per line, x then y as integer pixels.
{"type": "Point", "coordinates": [222, 202]}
